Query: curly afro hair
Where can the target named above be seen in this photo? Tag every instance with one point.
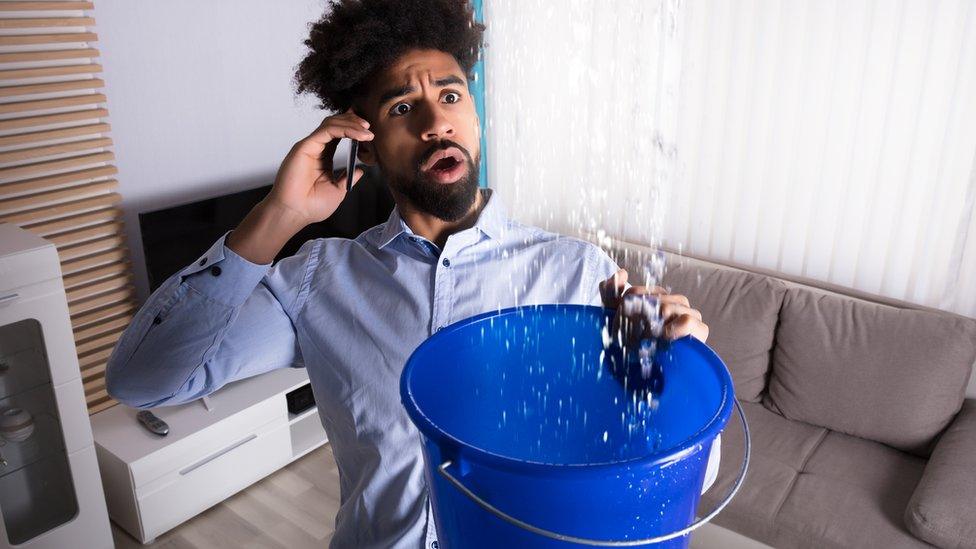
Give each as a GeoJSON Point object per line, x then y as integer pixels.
{"type": "Point", "coordinates": [357, 38]}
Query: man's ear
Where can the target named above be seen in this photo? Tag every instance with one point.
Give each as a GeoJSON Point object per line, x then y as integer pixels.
{"type": "Point", "coordinates": [367, 154]}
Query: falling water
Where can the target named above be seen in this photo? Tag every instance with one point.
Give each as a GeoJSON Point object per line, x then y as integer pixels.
{"type": "Point", "coordinates": [581, 139]}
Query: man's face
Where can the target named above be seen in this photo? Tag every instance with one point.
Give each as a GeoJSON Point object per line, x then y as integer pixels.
{"type": "Point", "coordinates": [427, 132]}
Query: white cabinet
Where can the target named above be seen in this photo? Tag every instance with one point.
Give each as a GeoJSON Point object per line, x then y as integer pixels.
{"type": "Point", "coordinates": [50, 490]}
{"type": "Point", "coordinates": [153, 483]}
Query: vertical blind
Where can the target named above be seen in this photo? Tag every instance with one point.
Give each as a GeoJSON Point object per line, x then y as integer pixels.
{"type": "Point", "coordinates": [834, 140]}
{"type": "Point", "coordinates": [55, 170]}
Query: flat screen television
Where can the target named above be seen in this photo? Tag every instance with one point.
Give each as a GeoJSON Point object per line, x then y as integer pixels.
{"type": "Point", "coordinates": [174, 237]}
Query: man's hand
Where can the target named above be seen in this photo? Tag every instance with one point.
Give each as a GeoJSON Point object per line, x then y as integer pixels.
{"type": "Point", "coordinates": [305, 184]}
{"type": "Point", "coordinates": [635, 313]}
{"type": "Point", "coordinates": [304, 191]}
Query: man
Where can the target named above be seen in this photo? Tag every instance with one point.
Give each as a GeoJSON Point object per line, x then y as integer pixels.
{"type": "Point", "coordinates": [352, 311]}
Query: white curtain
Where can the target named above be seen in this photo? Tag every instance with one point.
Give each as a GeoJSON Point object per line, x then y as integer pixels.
{"type": "Point", "coordinates": [828, 139]}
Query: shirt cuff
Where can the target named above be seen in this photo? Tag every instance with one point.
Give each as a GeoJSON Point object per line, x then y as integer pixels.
{"type": "Point", "coordinates": [223, 276]}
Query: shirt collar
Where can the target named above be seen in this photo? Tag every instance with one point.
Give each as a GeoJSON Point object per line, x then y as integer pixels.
{"type": "Point", "coordinates": [491, 220]}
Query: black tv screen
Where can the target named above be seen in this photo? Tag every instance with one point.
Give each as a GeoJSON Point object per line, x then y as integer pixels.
{"type": "Point", "coordinates": [174, 237]}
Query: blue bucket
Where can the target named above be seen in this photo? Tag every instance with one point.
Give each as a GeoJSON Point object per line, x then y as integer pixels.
{"type": "Point", "coordinates": [537, 434]}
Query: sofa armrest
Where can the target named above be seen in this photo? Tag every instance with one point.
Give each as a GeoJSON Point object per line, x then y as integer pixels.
{"type": "Point", "coordinates": [942, 510]}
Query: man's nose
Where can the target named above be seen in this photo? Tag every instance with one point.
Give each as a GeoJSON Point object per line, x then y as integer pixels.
{"type": "Point", "coordinates": [436, 125]}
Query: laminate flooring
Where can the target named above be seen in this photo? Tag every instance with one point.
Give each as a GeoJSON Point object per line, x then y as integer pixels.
{"type": "Point", "coordinates": [293, 508]}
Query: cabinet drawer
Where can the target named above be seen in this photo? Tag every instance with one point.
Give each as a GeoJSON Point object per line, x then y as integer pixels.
{"type": "Point", "coordinates": [182, 494]}
{"type": "Point", "coordinates": [189, 447]}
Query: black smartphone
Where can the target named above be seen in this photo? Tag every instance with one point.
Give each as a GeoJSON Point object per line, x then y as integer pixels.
{"type": "Point", "coordinates": [351, 165]}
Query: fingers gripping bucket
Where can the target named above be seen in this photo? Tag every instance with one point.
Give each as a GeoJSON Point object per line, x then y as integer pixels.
{"type": "Point", "coordinates": [534, 434]}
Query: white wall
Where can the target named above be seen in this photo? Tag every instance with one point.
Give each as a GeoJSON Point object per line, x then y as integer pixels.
{"type": "Point", "coordinates": [200, 98]}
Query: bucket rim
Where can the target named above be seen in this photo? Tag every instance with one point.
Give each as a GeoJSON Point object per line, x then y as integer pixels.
{"type": "Point", "coordinates": [682, 449]}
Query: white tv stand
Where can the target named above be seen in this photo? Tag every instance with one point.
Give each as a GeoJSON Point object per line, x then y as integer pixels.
{"type": "Point", "coordinates": [154, 483]}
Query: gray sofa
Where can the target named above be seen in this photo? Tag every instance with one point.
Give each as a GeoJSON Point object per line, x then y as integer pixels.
{"type": "Point", "coordinates": [862, 433]}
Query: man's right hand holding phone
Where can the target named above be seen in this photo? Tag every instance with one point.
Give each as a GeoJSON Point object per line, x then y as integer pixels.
{"type": "Point", "coordinates": [305, 190]}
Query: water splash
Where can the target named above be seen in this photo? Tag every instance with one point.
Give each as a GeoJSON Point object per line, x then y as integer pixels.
{"type": "Point", "coordinates": [574, 155]}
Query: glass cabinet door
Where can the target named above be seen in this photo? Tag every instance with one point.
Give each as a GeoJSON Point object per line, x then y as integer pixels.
{"type": "Point", "coordinates": [36, 489]}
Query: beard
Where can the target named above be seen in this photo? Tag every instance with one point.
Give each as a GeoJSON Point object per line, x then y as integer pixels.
{"type": "Point", "coordinates": [448, 202]}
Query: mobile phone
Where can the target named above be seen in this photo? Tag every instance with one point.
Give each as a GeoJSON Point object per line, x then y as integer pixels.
{"type": "Point", "coordinates": [351, 165]}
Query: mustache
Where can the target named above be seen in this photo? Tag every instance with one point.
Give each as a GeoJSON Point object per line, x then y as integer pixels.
{"type": "Point", "coordinates": [441, 145]}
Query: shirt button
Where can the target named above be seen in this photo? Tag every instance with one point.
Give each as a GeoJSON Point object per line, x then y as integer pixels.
{"type": "Point", "coordinates": [215, 270]}
{"type": "Point", "coordinates": [446, 262]}
{"type": "Point", "coordinates": [433, 545]}
{"type": "Point", "coordinates": [157, 320]}
{"type": "Point", "coordinates": [203, 261]}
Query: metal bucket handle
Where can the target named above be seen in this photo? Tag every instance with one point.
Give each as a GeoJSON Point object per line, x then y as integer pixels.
{"type": "Point", "coordinates": [612, 543]}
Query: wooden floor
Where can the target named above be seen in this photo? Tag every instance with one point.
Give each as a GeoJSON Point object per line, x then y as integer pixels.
{"type": "Point", "coordinates": [293, 508]}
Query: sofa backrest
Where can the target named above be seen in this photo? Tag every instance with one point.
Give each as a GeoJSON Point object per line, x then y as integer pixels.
{"type": "Point", "coordinates": [741, 310]}
{"type": "Point", "coordinates": [895, 376]}
{"type": "Point", "coordinates": [883, 370]}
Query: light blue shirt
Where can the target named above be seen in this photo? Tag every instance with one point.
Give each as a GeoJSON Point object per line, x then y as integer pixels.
{"type": "Point", "coordinates": [351, 312]}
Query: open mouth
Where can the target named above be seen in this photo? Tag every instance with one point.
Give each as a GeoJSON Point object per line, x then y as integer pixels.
{"type": "Point", "coordinates": [445, 166]}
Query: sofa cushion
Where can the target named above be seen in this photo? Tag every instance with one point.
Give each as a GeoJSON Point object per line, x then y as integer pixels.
{"type": "Point", "coordinates": [780, 447]}
{"type": "Point", "coordinates": [853, 493]}
{"type": "Point", "coordinates": [943, 508]}
{"type": "Point", "coordinates": [896, 376]}
{"type": "Point", "coordinates": [740, 309]}
{"type": "Point", "coordinates": [810, 487]}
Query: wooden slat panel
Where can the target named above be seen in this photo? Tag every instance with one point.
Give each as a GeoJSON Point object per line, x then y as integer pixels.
{"type": "Point", "coordinates": [42, 6]}
{"type": "Point", "coordinates": [40, 22]}
{"type": "Point", "coordinates": [97, 405]}
{"type": "Point", "coordinates": [93, 377]}
{"type": "Point", "coordinates": [93, 384]}
{"type": "Point", "coordinates": [46, 119]}
{"type": "Point", "coordinates": [62, 209]}
{"type": "Point", "coordinates": [80, 250]}
{"type": "Point", "coordinates": [58, 148]}
{"type": "Point", "coordinates": [99, 301]}
{"type": "Point", "coordinates": [51, 181]}
{"type": "Point", "coordinates": [106, 339]}
{"type": "Point", "coordinates": [34, 200]}
{"type": "Point", "coordinates": [85, 277]}
{"type": "Point", "coordinates": [46, 228]}
{"type": "Point", "coordinates": [51, 165]}
{"type": "Point", "coordinates": [98, 287]}
{"type": "Point", "coordinates": [59, 38]}
{"type": "Point", "coordinates": [57, 133]}
{"type": "Point", "coordinates": [89, 318]}
{"type": "Point", "coordinates": [47, 55]}
{"type": "Point", "coordinates": [94, 381]}
{"type": "Point", "coordinates": [95, 397]}
{"type": "Point", "coordinates": [103, 326]}
{"type": "Point", "coordinates": [52, 87]}
{"type": "Point", "coordinates": [54, 103]}
{"type": "Point", "coordinates": [76, 265]}
{"type": "Point", "coordinates": [40, 72]}
{"type": "Point", "coordinates": [54, 181]}
{"type": "Point", "coordinates": [92, 359]}
{"type": "Point", "coordinates": [85, 233]}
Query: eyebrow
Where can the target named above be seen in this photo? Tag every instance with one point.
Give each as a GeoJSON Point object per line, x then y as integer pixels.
{"type": "Point", "coordinates": [404, 90]}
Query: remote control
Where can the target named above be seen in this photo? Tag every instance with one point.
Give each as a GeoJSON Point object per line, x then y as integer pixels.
{"type": "Point", "coordinates": [152, 423]}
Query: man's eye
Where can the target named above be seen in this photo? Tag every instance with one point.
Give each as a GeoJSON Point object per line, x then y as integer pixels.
{"type": "Point", "coordinates": [400, 108]}
{"type": "Point", "coordinates": [455, 95]}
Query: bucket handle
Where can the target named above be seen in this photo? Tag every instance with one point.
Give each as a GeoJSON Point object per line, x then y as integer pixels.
{"type": "Point", "coordinates": [611, 543]}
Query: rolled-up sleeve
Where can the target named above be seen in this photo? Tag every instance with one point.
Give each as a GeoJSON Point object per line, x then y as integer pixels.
{"type": "Point", "coordinates": [220, 319]}
{"type": "Point", "coordinates": [601, 267]}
